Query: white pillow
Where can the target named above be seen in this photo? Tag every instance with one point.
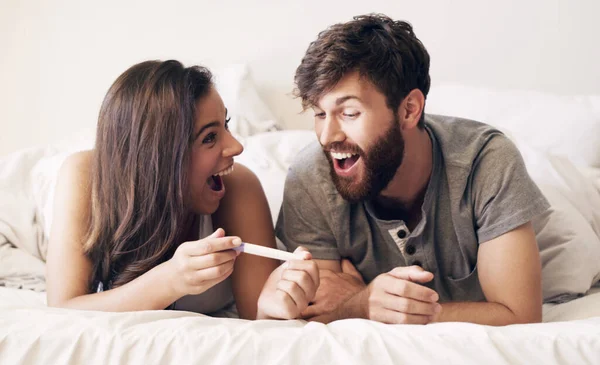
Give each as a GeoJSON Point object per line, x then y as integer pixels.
{"type": "Point", "coordinates": [568, 235]}
{"type": "Point", "coordinates": [563, 176]}
{"type": "Point", "coordinates": [594, 175]}
{"type": "Point", "coordinates": [269, 155]}
{"type": "Point", "coordinates": [249, 113]}
{"type": "Point", "coordinates": [557, 124]}
{"type": "Point", "coordinates": [569, 249]}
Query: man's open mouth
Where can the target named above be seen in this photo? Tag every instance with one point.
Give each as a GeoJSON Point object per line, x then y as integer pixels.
{"type": "Point", "coordinates": [344, 160]}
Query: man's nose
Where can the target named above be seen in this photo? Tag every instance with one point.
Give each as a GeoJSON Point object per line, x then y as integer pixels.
{"type": "Point", "coordinates": [331, 132]}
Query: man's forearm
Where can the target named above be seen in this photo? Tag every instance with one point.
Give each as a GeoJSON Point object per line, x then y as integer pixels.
{"type": "Point", "coordinates": [486, 313]}
{"type": "Point", "coordinates": [354, 307]}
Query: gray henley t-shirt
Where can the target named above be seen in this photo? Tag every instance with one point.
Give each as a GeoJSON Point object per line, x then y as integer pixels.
{"type": "Point", "coordinates": [479, 189]}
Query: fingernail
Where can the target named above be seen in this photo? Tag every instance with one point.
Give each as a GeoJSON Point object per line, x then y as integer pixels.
{"type": "Point", "coordinates": [236, 241]}
{"type": "Point", "coordinates": [434, 297]}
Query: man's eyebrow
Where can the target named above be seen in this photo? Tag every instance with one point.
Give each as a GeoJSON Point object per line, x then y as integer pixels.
{"type": "Point", "coordinates": [206, 126]}
{"type": "Point", "coordinates": [339, 101]}
{"type": "Point", "coordinates": [343, 99]}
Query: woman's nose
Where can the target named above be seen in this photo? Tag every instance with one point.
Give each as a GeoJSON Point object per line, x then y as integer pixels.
{"type": "Point", "coordinates": [233, 147]}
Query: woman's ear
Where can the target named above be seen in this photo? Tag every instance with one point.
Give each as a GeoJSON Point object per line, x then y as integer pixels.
{"type": "Point", "coordinates": [411, 109]}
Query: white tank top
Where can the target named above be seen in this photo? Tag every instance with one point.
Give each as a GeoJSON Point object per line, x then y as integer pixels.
{"type": "Point", "coordinates": [216, 301]}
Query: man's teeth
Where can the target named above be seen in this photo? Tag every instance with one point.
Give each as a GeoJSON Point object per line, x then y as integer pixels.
{"type": "Point", "coordinates": [341, 155]}
{"type": "Point", "coordinates": [227, 171]}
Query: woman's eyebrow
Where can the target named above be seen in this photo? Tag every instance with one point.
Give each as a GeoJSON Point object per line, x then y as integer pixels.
{"type": "Point", "coordinates": [206, 126]}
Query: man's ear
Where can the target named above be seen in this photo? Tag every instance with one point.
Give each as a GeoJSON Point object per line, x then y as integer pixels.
{"type": "Point", "coordinates": [411, 109]}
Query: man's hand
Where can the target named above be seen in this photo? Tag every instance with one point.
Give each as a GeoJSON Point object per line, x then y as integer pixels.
{"type": "Point", "coordinates": [394, 297]}
{"type": "Point", "coordinates": [289, 288]}
{"type": "Point", "coordinates": [334, 289]}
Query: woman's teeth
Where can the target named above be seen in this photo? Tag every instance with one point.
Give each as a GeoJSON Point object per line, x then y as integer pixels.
{"type": "Point", "coordinates": [225, 172]}
{"type": "Point", "coordinates": [341, 155]}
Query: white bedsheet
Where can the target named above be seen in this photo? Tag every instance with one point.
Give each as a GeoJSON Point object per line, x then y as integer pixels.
{"type": "Point", "coordinates": [31, 333]}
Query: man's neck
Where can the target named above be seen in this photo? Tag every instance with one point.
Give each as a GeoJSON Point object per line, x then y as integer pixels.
{"type": "Point", "coordinates": [404, 195]}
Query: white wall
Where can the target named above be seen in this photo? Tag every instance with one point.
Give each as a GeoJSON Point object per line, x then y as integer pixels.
{"type": "Point", "coordinates": [58, 57]}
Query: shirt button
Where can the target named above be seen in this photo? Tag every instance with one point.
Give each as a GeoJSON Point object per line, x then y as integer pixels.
{"type": "Point", "coordinates": [417, 263]}
{"type": "Point", "coordinates": [410, 249]}
{"type": "Point", "coordinates": [401, 234]}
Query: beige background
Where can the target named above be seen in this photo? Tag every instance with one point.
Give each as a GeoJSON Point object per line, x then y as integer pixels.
{"type": "Point", "coordinates": [58, 57]}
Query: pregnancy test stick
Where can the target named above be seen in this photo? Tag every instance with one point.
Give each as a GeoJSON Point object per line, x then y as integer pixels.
{"type": "Point", "coordinates": [266, 252]}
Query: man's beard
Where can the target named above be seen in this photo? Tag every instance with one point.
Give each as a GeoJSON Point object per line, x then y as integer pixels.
{"type": "Point", "coordinates": [380, 162]}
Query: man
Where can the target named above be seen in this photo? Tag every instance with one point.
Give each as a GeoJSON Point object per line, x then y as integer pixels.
{"type": "Point", "coordinates": [412, 218]}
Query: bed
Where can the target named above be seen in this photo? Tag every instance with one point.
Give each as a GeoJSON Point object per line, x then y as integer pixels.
{"type": "Point", "coordinates": [33, 333]}
{"type": "Point", "coordinates": [564, 161]}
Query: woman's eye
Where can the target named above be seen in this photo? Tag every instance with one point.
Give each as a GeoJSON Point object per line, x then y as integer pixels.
{"type": "Point", "coordinates": [210, 138]}
{"type": "Point", "coordinates": [351, 115]}
{"type": "Point", "coordinates": [320, 115]}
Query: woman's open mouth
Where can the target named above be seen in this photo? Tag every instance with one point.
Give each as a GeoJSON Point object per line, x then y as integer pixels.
{"type": "Point", "coordinates": [215, 182]}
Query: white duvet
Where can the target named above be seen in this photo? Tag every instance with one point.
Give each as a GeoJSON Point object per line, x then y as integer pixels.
{"type": "Point", "coordinates": [31, 333]}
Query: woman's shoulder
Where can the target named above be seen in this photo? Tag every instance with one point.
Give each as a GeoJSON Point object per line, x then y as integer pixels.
{"type": "Point", "coordinates": [241, 180]}
{"type": "Point", "coordinates": [75, 171]}
{"type": "Point", "coordinates": [241, 172]}
{"type": "Point", "coordinates": [78, 162]}
{"type": "Point", "coordinates": [244, 192]}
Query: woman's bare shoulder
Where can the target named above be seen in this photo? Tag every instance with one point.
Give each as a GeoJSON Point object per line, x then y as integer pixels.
{"type": "Point", "coordinates": [75, 173]}
{"type": "Point", "coordinates": [242, 181]}
{"type": "Point", "coordinates": [77, 166]}
{"type": "Point", "coordinates": [78, 162]}
{"type": "Point", "coordinates": [244, 193]}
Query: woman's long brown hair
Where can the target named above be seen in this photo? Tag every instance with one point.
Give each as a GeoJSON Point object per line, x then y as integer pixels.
{"type": "Point", "coordinates": [140, 168]}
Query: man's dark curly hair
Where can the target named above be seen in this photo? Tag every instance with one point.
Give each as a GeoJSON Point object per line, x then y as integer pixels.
{"type": "Point", "coordinates": [384, 51]}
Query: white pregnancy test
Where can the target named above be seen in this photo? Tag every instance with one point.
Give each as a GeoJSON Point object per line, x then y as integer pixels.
{"type": "Point", "coordinates": [266, 252]}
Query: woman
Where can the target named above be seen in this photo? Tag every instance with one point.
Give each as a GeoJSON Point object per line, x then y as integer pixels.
{"type": "Point", "coordinates": [135, 218]}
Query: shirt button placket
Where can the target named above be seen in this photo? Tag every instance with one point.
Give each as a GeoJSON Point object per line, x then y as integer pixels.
{"type": "Point", "coordinates": [400, 236]}
{"type": "Point", "coordinates": [407, 247]}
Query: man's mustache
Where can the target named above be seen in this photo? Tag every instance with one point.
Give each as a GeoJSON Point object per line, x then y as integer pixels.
{"type": "Point", "coordinates": [343, 147]}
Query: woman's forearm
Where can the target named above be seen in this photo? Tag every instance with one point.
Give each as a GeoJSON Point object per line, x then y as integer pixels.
{"type": "Point", "coordinates": [150, 291]}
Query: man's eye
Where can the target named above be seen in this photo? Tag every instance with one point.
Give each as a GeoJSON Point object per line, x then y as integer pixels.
{"type": "Point", "coordinates": [227, 123]}
{"type": "Point", "coordinates": [351, 115]}
{"type": "Point", "coordinates": [210, 138]}
{"type": "Point", "coordinates": [320, 115]}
